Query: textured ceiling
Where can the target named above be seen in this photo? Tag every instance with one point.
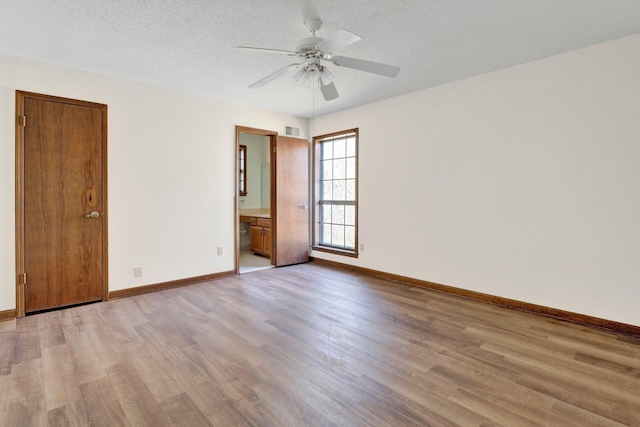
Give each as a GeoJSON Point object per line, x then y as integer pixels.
{"type": "Point", "coordinates": [186, 45]}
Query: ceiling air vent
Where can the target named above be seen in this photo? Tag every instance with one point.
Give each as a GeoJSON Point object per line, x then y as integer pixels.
{"type": "Point", "coordinates": [291, 131]}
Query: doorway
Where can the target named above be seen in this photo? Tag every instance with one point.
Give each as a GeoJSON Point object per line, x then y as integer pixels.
{"type": "Point", "coordinates": [61, 202]}
{"type": "Point", "coordinates": [255, 237]}
{"type": "Point", "coordinates": [279, 232]}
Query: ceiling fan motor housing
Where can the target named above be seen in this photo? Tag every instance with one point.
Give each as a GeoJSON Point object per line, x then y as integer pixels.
{"type": "Point", "coordinates": [307, 46]}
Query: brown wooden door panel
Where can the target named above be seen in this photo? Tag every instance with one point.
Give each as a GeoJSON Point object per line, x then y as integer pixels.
{"type": "Point", "coordinates": [291, 196]}
{"type": "Point", "coordinates": [63, 183]}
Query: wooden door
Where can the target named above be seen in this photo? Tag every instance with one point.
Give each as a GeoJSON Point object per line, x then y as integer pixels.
{"type": "Point", "coordinates": [62, 163]}
{"type": "Point", "coordinates": [291, 200]}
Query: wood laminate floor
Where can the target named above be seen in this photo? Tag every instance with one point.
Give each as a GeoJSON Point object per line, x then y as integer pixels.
{"type": "Point", "coordinates": [311, 346]}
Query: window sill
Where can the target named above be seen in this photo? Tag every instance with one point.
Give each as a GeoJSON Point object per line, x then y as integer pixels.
{"type": "Point", "coordinates": [352, 254]}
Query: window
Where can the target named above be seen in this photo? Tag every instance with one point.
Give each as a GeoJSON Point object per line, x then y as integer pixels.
{"type": "Point", "coordinates": [242, 170]}
{"type": "Point", "coordinates": [336, 193]}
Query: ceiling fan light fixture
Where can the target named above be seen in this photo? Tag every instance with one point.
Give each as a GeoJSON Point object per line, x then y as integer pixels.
{"type": "Point", "coordinates": [326, 76]}
{"type": "Point", "coordinates": [313, 84]}
{"type": "Point", "coordinates": [313, 73]}
{"type": "Point", "coordinates": [308, 75]}
{"type": "Point", "coordinates": [299, 74]}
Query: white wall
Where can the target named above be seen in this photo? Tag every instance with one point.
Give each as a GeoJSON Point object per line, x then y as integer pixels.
{"type": "Point", "coordinates": [522, 183]}
{"type": "Point", "coordinates": [171, 167]}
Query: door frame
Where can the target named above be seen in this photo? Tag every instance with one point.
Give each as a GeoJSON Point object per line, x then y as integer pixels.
{"type": "Point", "coordinates": [236, 206]}
{"type": "Point", "coordinates": [20, 192]}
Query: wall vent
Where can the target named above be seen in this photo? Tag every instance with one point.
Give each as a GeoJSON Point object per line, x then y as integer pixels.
{"type": "Point", "coordinates": [291, 131]}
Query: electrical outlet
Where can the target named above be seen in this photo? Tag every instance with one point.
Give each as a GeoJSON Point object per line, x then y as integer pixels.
{"type": "Point", "coordinates": [361, 247]}
{"type": "Point", "coordinates": [219, 250]}
{"type": "Point", "coordinates": [137, 271]}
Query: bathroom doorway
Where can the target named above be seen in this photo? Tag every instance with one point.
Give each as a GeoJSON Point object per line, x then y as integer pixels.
{"type": "Point", "coordinates": [255, 237]}
{"type": "Point", "coordinates": [274, 223]}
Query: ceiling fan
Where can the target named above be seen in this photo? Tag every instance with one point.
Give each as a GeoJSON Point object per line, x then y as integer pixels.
{"type": "Point", "coordinates": [312, 52]}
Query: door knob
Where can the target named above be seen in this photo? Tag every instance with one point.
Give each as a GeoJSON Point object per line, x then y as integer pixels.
{"type": "Point", "coordinates": [93, 214]}
{"type": "Point", "coordinates": [304, 206]}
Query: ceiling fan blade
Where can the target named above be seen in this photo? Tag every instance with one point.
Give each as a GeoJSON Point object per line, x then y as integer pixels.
{"type": "Point", "coordinates": [336, 41]}
{"type": "Point", "coordinates": [265, 50]}
{"type": "Point", "coordinates": [273, 76]}
{"type": "Point", "coordinates": [329, 91]}
{"type": "Point", "coordinates": [368, 66]}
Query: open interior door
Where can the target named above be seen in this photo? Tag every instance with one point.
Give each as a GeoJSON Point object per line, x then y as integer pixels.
{"type": "Point", "coordinates": [290, 166]}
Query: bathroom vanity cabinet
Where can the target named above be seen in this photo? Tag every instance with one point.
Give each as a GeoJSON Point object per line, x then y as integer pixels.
{"type": "Point", "coordinates": [261, 237]}
{"type": "Point", "coordinates": [259, 232]}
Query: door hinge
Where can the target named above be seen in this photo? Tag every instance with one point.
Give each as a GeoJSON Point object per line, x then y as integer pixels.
{"type": "Point", "coordinates": [274, 150]}
{"type": "Point", "coordinates": [24, 278]}
{"type": "Point", "coordinates": [23, 121]}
